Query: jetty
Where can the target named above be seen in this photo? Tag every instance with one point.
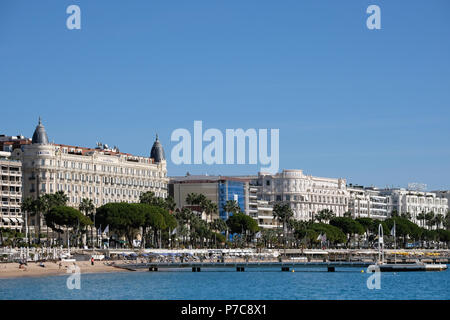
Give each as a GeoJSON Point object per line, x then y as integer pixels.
{"type": "Point", "coordinates": [282, 266]}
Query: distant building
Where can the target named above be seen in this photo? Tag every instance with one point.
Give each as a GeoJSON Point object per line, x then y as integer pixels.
{"type": "Point", "coordinates": [10, 143]}
{"type": "Point", "coordinates": [102, 174]}
{"type": "Point", "coordinates": [367, 202]}
{"type": "Point", "coordinates": [307, 195]}
{"type": "Point", "coordinates": [10, 192]}
{"type": "Point", "coordinates": [415, 202]}
{"type": "Point", "coordinates": [260, 210]}
{"type": "Point", "coordinates": [443, 194]}
{"type": "Point", "coordinates": [218, 189]}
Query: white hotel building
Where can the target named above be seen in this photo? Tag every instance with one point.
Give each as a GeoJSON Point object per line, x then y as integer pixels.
{"type": "Point", "coordinates": [368, 203]}
{"type": "Point", "coordinates": [307, 195]}
{"type": "Point", "coordinates": [101, 174]}
{"type": "Point", "coordinates": [415, 202]}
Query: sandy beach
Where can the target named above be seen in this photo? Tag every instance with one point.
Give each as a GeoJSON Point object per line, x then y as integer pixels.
{"type": "Point", "coordinates": [11, 270]}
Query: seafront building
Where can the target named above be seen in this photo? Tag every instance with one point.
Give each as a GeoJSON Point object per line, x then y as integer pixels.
{"type": "Point", "coordinates": [102, 174]}
{"type": "Point", "coordinates": [306, 194]}
{"type": "Point", "coordinates": [10, 192]}
{"type": "Point", "coordinates": [405, 201]}
{"type": "Point", "coordinates": [367, 202]}
{"type": "Point", "coordinates": [260, 210]}
{"type": "Point", "coordinates": [218, 189]}
{"type": "Point", "coordinates": [443, 194]}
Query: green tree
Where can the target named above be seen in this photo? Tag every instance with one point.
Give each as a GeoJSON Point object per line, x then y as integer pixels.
{"type": "Point", "coordinates": [232, 207]}
{"type": "Point", "coordinates": [324, 215]}
{"type": "Point", "coordinates": [421, 217]}
{"type": "Point", "coordinates": [124, 219]}
{"type": "Point", "coordinates": [67, 217]}
{"type": "Point", "coordinates": [240, 223]}
{"type": "Point", "coordinates": [219, 225]}
{"type": "Point", "coordinates": [348, 226]}
{"type": "Point", "coordinates": [429, 219]}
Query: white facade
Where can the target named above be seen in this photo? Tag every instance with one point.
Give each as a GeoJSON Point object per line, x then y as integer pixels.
{"type": "Point", "coordinates": [100, 174]}
{"type": "Point", "coordinates": [415, 202]}
{"type": "Point", "coordinates": [307, 195]}
{"type": "Point", "coordinates": [261, 211]}
{"type": "Point", "coordinates": [367, 203]}
{"type": "Point", "coordinates": [10, 193]}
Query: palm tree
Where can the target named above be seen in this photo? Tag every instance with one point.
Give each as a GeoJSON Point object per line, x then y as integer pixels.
{"type": "Point", "coordinates": [27, 207]}
{"type": "Point", "coordinates": [429, 218]}
{"type": "Point", "coordinates": [406, 215]}
{"type": "Point", "coordinates": [40, 207]}
{"type": "Point", "coordinates": [50, 201]}
{"type": "Point", "coordinates": [191, 198]}
{"type": "Point", "coordinates": [283, 213]}
{"type": "Point", "coordinates": [347, 214]}
{"type": "Point", "coordinates": [438, 220]}
{"type": "Point", "coordinates": [170, 204]}
{"type": "Point", "coordinates": [210, 208]}
{"type": "Point", "coordinates": [88, 208]}
{"type": "Point", "coordinates": [231, 206]}
{"type": "Point", "coordinates": [325, 214]}
{"type": "Point", "coordinates": [421, 217]}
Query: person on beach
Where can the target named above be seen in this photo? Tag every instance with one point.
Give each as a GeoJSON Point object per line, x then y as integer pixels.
{"type": "Point", "coordinates": [92, 261]}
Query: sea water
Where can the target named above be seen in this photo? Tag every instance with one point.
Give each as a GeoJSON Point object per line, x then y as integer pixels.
{"type": "Point", "coordinates": [344, 284]}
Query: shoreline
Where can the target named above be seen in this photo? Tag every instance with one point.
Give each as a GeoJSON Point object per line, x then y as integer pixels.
{"type": "Point", "coordinates": [12, 271]}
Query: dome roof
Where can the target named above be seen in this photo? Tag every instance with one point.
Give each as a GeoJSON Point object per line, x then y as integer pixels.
{"type": "Point", "coordinates": [40, 135]}
{"type": "Point", "coordinates": [157, 152]}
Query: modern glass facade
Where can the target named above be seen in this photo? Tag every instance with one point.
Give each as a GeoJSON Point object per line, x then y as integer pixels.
{"type": "Point", "coordinates": [231, 190]}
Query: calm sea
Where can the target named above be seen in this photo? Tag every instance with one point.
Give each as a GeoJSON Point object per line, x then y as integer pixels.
{"type": "Point", "coordinates": [253, 284]}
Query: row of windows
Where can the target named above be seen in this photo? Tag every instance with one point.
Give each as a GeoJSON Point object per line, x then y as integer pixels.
{"type": "Point", "coordinates": [102, 168]}
{"type": "Point", "coordinates": [13, 211]}
{"type": "Point", "coordinates": [78, 188]}
{"type": "Point", "coordinates": [312, 198]}
{"type": "Point", "coordinates": [111, 180]}
{"type": "Point", "coordinates": [78, 199]}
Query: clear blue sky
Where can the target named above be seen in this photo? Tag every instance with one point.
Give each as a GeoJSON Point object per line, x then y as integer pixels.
{"type": "Point", "coordinates": [369, 106]}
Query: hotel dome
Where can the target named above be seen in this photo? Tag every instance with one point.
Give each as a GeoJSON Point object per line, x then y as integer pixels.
{"type": "Point", "coordinates": [39, 135]}
{"type": "Point", "coordinates": [157, 152]}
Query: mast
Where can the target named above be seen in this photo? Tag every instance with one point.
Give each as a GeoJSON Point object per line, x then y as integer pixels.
{"type": "Point", "coordinates": [380, 244]}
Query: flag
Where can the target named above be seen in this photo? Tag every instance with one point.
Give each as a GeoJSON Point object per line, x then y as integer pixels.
{"type": "Point", "coordinates": [393, 230]}
{"type": "Point", "coordinates": [324, 237]}
{"type": "Point", "coordinates": [106, 229]}
{"type": "Point", "coordinates": [258, 235]}
{"type": "Point", "coordinates": [174, 231]}
{"type": "Point", "coordinates": [319, 237]}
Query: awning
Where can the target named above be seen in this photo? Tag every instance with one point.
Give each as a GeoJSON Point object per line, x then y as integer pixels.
{"type": "Point", "coordinates": [13, 220]}
{"type": "Point", "coordinates": [5, 219]}
{"type": "Point", "coordinates": [20, 220]}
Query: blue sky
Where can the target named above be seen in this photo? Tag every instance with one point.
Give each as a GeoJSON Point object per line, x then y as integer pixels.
{"type": "Point", "coordinates": [372, 106]}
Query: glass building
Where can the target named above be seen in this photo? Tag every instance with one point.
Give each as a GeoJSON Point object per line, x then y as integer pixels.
{"type": "Point", "coordinates": [230, 190]}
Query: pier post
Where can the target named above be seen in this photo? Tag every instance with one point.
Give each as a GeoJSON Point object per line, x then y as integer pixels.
{"type": "Point", "coordinates": [284, 268]}
{"type": "Point", "coordinates": [240, 269]}
{"type": "Point", "coordinates": [331, 269]}
{"type": "Point", "coordinates": [194, 269]}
